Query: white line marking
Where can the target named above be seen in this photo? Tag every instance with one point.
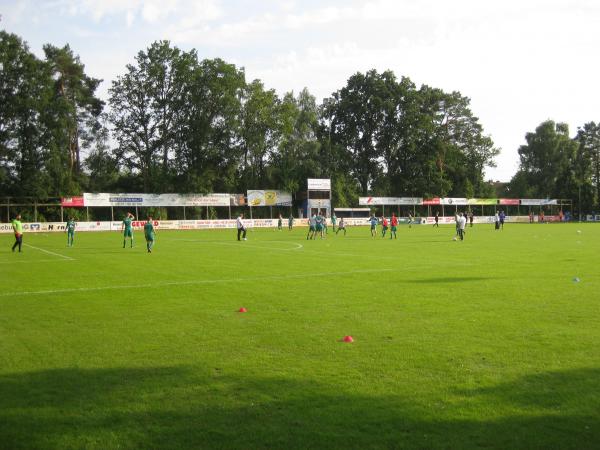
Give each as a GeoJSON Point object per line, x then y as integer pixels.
{"type": "Point", "coordinates": [49, 252]}
{"type": "Point", "coordinates": [195, 282]}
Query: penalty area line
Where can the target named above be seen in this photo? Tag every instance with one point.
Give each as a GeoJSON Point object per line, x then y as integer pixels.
{"type": "Point", "coordinates": [194, 282]}
{"type": "Point", "coordinates": [49, 252]}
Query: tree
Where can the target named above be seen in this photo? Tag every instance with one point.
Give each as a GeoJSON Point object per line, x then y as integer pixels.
{"type": "Point", "coordinates": [208, 128]}
{"type": "Point", "coordinates": [260, 134]}
{"type": "Point", "coordinates": [298, 156]}
{"type": "Point", "coordinates": [76, 106]}
{"type": "Point", "coordinates": [545, 168]}
{"type": "Point", "coordinates": [356, 113]}
{"type": "Point", "coordinates": [145, 104]}
{"type": "Point", "coordinates": [587, 164]}
{"type": "Point", "coordinates": [25, 99]}
{"type": "Point", "coordinates": [404, 141]}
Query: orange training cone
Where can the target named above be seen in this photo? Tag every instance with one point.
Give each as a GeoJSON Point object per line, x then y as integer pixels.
{"type": "Point", "coordinates": [243, 310]}
{"type": "Point", "coordinates": [348, 339]}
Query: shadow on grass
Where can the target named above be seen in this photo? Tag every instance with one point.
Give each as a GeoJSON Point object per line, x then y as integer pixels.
{"type": "Point", "coordinates": [183, 407]}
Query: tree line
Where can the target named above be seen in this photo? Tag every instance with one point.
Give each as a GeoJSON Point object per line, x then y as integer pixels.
{"type": "Point", "coordinates": [176, 123]}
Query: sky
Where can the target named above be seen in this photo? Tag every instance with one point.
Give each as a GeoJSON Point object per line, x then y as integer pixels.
{"type": "Point", "coordinates": [521, 62]}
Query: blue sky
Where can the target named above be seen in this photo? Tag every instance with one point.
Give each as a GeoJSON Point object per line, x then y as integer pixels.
{"type": "Point", "coordinates": [520, 61]}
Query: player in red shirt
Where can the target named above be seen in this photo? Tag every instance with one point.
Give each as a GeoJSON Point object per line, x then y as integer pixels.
{"type": "Point", "coordinates": [394, 226]}
{"type": "Point", "coordinates": [384, 226]}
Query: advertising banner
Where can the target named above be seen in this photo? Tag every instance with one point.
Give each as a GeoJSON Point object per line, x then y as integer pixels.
{"type": "Point", "coordinates": [318, 184]}
{"type": "Point", "coordinates": [550, 202]}
{"type": "Point", "coordinates": [432, 201]}
{"type": "Point", "coordinates": [48, 227]}
{"type": "Point", "coordinates": [72, 202]}
{"type": "Point", "coordinates": [477, 220]}
{"type": "Point", "coordinates": [147, 200]}
{"type": "Point", "coordinates": [509, 201]}
{"type": "Point", "coordinates": [538, 201]}
{"type": "Point", "coordinates": [59, 227]}
{"type": "Point", "coordinates": [454, 201]}
{"type": "Point", "coordinates": [484, 201]}
{"type": "Point", "coordinates": [238, 200]}
{"type": "Point", "coordinates": [269, 198]}
{"type": "Point", "coordinates": [375, 201]}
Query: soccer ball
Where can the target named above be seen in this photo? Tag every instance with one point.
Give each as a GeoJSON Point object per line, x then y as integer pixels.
{"type": "Point", "coordinates": [454, 238]}
{"type": "Point", "coordinates": [578, 231]}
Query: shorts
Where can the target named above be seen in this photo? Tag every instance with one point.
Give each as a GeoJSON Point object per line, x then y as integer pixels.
{"type": "Point", "coordinates": [128, 233]}
{"type": "Point", "coordinates": [311, 228]}
{"type": "Point", "coordinates": [373, 227]}
{"type": "Point", "coordinates": [149, 237]}
{"type": "Point", "coordinates": [319, 227]}
{"type": "Point", "coordinates": [393, 228]}
{"type": "Point", "coordinates": [384, 228]}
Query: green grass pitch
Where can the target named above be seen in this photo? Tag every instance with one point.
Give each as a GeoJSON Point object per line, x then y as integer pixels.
{"type": "Point", "coordinates": [488, 343]}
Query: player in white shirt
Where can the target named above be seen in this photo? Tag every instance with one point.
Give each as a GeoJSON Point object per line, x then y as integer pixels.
{"type": "Point", "coordinates": [241, 229]}
{"type": "Point", "coordinates": [462, 222]}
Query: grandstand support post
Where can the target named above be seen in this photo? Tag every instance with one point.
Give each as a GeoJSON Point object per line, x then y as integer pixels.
{"type": "Point", "coordinates": [206, 212]}
{"type": "Point", "coordinates": [271, 211]}
{"type": "Point", "coordinates": [229, 210]}
{"type": "Point", "coordinates": [183, 212]}
{"type": "Point", "coordinates": [443, 212]}
{"type": "Point", "coordinates": [62, 219]}
{"type": "Point", "coordinates": [136, 214]}
{"type": "Point", "coordinates": [112, 213]}
{"type": "Point", "coordinates": [250, 212]}
{"type": "Point", "coordinates": [383, 206]}
{"type": "Point", "coordinates": [87, 213]}
{"type": "Point", "coordinates": [414, 210]}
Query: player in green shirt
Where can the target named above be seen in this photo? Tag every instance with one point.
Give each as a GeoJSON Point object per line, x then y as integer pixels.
{"type": "Point", "coordinates": [127, 228]}
{"type": "Point", "coordinates": [18, 229]}
{"type": "Point", "coordinates": [318, 225]}
{"type": "Point", "coordinates": [70, 231]}
{"type": "Point", "coordinates": [333, 221]}
{"type": "Point", "coordinates": [280, 223]}
{"type": "Point", "coordinates": [149, 234]}
{"type": "Point", "coordinates": [290, 222]}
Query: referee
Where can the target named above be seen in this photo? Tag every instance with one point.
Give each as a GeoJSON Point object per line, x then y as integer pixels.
{"type": "Point", "coordinates": [18, 229]}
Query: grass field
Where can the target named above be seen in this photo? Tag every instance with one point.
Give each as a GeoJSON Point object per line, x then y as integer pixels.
{"type": "Point", "coordinates": [486, 343]}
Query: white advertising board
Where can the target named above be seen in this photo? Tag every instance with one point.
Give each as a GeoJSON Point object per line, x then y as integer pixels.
{"type": "Point", "coordinates": [319, 184]}
{"type": "Point", "coordinates": [151, 200]}
{"type": "Point", "coordinates": [454, 201]}
{"type": "Point", "coordinates": [375, 201]}
{"type": "Point", "coordinates": [538, 201]}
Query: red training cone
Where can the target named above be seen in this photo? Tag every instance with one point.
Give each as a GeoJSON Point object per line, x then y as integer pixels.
{"type": "Point", "coordinates": [348, 339]}
{"type": "Point", "coordinates": [243, 310]}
